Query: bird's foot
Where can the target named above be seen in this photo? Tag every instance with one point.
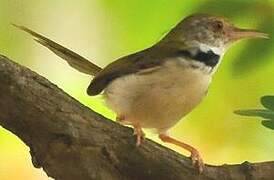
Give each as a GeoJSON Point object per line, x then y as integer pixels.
{"type": "Point", "coordinates": [121, 119]}
{"type": "Point", "coordinates": [197, 160]}
{"type": "Point", "coordinates": [136, 126]}
{"type": "Point", "coordinates": [139, 134]}
{"type": "Point", "coordinates": [195, 155]}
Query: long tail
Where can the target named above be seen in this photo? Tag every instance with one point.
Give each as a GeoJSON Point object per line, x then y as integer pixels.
{"type": "Point", "coordinates": [74, 60]}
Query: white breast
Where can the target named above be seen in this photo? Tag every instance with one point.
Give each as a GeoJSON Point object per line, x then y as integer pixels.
{"type": "Point", "coordinates": [160, 98]}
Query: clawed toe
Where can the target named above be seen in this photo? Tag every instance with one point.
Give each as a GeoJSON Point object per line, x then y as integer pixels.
{"type": "Point", "coordinates": [139, 135]}
{"type": "Point", "coordinates": [136, 126]}
{"type": "Point", "coordinates": [197, 160]}
{"type": "Point", "coordinates": [195, 155]}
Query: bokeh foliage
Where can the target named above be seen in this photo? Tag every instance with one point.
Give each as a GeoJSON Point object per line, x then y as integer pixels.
{"type": "Point", "coordinates": [104, 30]}
{"type": "Point", "coordinates": [267, 113]}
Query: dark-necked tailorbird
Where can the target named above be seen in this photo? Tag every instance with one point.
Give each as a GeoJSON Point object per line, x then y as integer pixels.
{"type": "Point", "coordinates": [158, 86]}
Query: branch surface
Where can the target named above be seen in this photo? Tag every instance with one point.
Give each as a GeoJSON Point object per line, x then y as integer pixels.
{"type": "Point", "coordinates": [70, 141]}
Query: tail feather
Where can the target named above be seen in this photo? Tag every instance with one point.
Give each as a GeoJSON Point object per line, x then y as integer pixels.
{"type": "Point", "coordinates": [73, 59]}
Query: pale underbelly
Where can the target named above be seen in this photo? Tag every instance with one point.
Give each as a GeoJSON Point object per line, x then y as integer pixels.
{"type": "Point", "coordinates": [157, 100]}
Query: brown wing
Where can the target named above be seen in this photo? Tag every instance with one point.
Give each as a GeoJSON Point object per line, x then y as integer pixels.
{"type": "Point", "coordinates": [127, 65]}
{"type": "Point", "coordinates": [74, 60]}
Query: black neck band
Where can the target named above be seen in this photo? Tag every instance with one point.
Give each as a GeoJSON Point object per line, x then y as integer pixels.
{"type": "Point", "coordinates": [208, 58]}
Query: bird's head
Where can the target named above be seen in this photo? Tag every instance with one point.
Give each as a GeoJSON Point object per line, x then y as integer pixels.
{"type": "Point", "coordinates": [209, 32]}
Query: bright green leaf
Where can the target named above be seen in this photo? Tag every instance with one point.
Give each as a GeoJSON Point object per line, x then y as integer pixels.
{"type": "Point", "coordinates": [268, 102]}
{"type": "Point", "coordinates": [267, 114]}
{"type": "Point", "coordinates": [268, 124]}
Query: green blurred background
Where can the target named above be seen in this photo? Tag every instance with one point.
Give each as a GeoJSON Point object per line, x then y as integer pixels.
{"type": "Point", "coordinates": [104, 30]}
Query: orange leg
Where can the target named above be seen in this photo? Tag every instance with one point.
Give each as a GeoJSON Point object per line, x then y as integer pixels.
{"type": "Point", "coordinates": [137, 128]}
{"type": "Point", "coordinates": [120, 119]}
{"type": "Point", "coordinates": [195, 155]}
{"type": "Point", "coordinates": [139, 134]}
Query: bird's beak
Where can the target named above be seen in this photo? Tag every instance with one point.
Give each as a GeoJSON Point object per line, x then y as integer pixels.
{"type": "Point", "coordinates": [237, 34]}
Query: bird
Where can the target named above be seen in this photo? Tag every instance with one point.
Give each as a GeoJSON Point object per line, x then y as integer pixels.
{"type": "Point", "coordinates": [159, 85]}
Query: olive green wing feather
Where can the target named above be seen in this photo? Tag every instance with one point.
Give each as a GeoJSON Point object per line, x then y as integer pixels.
{"type": "Point", "coordinates": [127, 65]}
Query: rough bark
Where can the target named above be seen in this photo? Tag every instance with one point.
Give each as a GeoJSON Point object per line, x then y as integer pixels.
{"type": "Point", "coordinates": [70, 141]}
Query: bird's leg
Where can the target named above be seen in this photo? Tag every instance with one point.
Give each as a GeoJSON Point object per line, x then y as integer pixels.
{"type": "Point", "coordinates": [139, 133]}
{"type": "Point", "coordinates": [195, 155]}
{"type": "Point", "coordinates": [120, 119]}
{"type": "Point", "coordinates": [136, 126]}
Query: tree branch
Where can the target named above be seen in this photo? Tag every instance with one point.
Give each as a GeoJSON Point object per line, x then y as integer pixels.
{"type": "Point", "coordinates": [70, 141]}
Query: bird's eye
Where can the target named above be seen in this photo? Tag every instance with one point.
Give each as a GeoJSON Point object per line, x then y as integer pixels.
{"type": "Point", "coordinates": [218, 25]}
